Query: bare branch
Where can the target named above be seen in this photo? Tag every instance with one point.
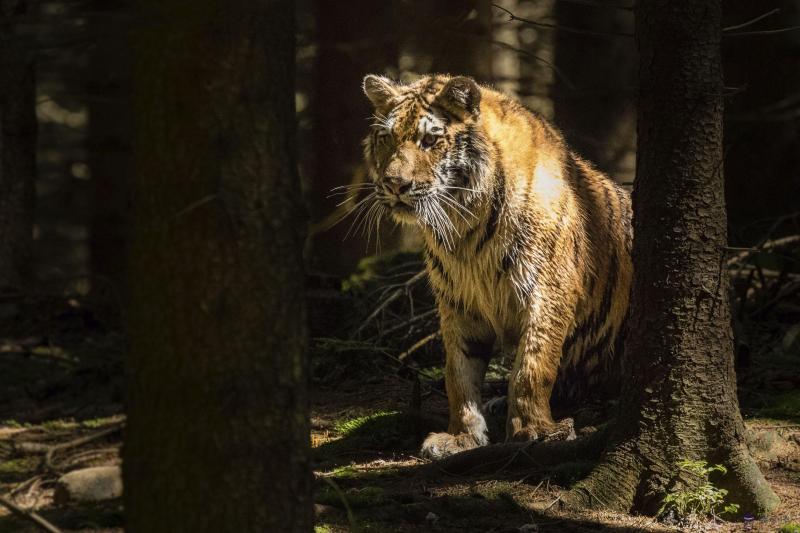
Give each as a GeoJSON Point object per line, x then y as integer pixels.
{"type": "Point", "coordinates": [762, 32]}
{"type": "Point", "coordinates": [37, 519]}
{"type": "Point", "coordinates": [568, 29]}
{"type": "Point", "coordinates": [752, 21]}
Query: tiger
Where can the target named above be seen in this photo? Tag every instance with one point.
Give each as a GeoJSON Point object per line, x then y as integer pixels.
{"type": "Point", "coordinates": [527, 246]}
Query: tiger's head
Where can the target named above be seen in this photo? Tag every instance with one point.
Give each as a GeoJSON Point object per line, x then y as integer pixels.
{"type": "Point", "coordinates": [426, 153]}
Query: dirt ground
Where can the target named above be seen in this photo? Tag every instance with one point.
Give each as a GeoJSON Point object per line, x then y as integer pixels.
{"type": "Point", "coordinates": [61, 409]}
{"type": "Point", "coordinates": [365, 442]}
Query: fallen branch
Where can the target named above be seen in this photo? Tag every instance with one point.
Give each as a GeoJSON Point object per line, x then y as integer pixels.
{"type": "Point", "coordinates": [37, 519]}
{"type": "Point", "coordinates": [50, 449]}
{"type": "Point", "coordinates": [419, 344]}
{"type": "Point", "coordinates": [48, 459]}
{"type": "Point", "coordinates": [410, 321]}
{"type": "Point", "coordinates": [767, 245]}
{"type": "Point", "coordinates": [392, 297]}
{"type": "Point", "coordinates": [520, 455]}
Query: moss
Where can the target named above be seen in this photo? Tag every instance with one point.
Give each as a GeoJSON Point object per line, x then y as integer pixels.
{"type": "Point", "coordinates": [59, 425]}
{"type": "Point", "coordinates": [493, 491]}
{"type": "Point", "coordinates": [380, 431]}
{"type": "Point", "coordinates": [569, 473]}
{"type": "Point", "coordinates": [351, 472]}
{"type": "Point", "coordinates": [18, 469]}
{"type": "Point", "coordinates": [356, 498]}
{"type": "Point", "coordinates": [377, 420]}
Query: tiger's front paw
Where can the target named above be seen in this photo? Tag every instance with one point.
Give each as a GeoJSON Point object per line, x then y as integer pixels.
{"type": "Point", "coordinates": [440, 445]}
{"type": "Point", "coordinates": [561, 430]}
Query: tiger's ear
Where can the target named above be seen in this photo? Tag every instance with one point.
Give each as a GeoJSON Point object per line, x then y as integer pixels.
{"type": "Point", "coordinates": [379, 90]}
{"type": "Point", "coordinates": [462, 94]}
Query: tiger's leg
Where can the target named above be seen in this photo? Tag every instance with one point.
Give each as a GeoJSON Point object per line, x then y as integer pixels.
{"type": "Point", "coordinates": [468, 343]}
{"type": "Point", "coordinates": [533, 376]}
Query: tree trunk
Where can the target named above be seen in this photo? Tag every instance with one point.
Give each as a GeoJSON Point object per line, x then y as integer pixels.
{"type": "Point", "coordinates": [17, 149]}
{"type": "Point", "coordinates": [108, 143]}
{"type": "Point", "coordinates": [680, 401]}
{"type": "Point", "coordinates": [218, 433]}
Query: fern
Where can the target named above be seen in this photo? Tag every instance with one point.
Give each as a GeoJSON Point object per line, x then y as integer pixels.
{"type": "Point", "coordinates": [701, 499]}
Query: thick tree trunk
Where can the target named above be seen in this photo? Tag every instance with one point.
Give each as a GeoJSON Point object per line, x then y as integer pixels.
{"type": "Point", "coordinates": [17, 149]}
{"type": "Point", "coordinates": [217, 436]}
{"type": "Point", "coordinates": [680, 402]}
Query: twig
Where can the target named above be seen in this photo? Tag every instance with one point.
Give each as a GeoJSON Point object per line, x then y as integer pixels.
{"type": "Point", "coordinates": [419, 344]}
{"type": "Point", "coordinates": [408, 322]}
{"type": "Point", "coordinates": [37, 519]}
{"type": "Point", "coordinates": [558, 498]}
{"type": "Point", "coordinates": [48, 459]}
{"type": "Point", "coordinates": [762, 32]}
{"type": "Point", "coordinates": [524, 53]}
{"type": "Point", "coordinates": [601, 502]}
{"type": "Point", "coordinates": [417, 371]}
{"type": "Point", "coordinates": [392, 297]}
{"type": "Point", "coordinates": [559, 27]}
{"type": "Point", "coordinates": [766, 245]}
{"type": "Point", "coordinates": [752, 21]}
{"type": "Point", "coordinates": [350, 517]}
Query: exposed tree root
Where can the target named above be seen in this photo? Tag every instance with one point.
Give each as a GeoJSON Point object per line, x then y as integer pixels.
{"type": "Point", "coordinates": [519, 455]}
{"type": "Point", "coordinates": [621, 483]}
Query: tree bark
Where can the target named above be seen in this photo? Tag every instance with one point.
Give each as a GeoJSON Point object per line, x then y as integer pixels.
{"type": "Point", "coordinates": [680, 401]}
{"type": "Point", "coordinates": [218, 434]}
{"type": "Point", "coordinates": [17, 148]}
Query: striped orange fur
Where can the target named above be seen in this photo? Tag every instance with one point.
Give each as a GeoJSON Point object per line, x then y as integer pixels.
{"type": "Point", "coordinates": [526, 244]}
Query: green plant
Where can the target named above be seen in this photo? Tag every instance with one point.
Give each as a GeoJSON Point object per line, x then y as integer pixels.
{"type": "Point", "coordinates": [700, 498]}
{"type": "Point", "coordinates": [791, 527]}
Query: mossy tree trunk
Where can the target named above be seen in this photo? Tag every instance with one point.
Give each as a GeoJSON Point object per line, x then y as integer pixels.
{"type": "Point", "coordinates": [17, 147]}
{"type": "Point", "coordinates": [680, 401]}
{"type": "Point", "coordinates": [217, 436]}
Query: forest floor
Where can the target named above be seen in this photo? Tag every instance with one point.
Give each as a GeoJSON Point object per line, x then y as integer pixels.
{"type": "Point", "coordinates": [377, 391]}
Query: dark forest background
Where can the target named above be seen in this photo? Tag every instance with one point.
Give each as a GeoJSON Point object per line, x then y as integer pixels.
{"type": "Point", "coordinates": [85, 279]}
{"type": "Point", "coordinates": [583, 80]}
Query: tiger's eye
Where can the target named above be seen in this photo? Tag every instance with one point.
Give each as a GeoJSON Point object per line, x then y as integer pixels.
{"type": "Point", "coordinates": [428, 140]}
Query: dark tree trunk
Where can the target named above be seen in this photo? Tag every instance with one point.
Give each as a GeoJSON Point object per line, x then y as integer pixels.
{"type": "Point", "coordinates": [108, 143]}
{"type": "Point", "coordinates": [593, 98]}
{"type": "Point", "coordinates": [680, 401]}
{"type": "Point", "coordinates": [17, 148]}
{"type": "Point", "coordinates": [218, 433]}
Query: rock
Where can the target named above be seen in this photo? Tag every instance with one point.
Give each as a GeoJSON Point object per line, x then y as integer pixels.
{"type": "Point", "coordinates": [89, 485]}
{"type": "Point", "coordinates": [527, 528]}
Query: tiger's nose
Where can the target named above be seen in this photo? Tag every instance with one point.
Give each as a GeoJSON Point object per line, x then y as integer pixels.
{"type": "Point", "coordinates": [398, 185]}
